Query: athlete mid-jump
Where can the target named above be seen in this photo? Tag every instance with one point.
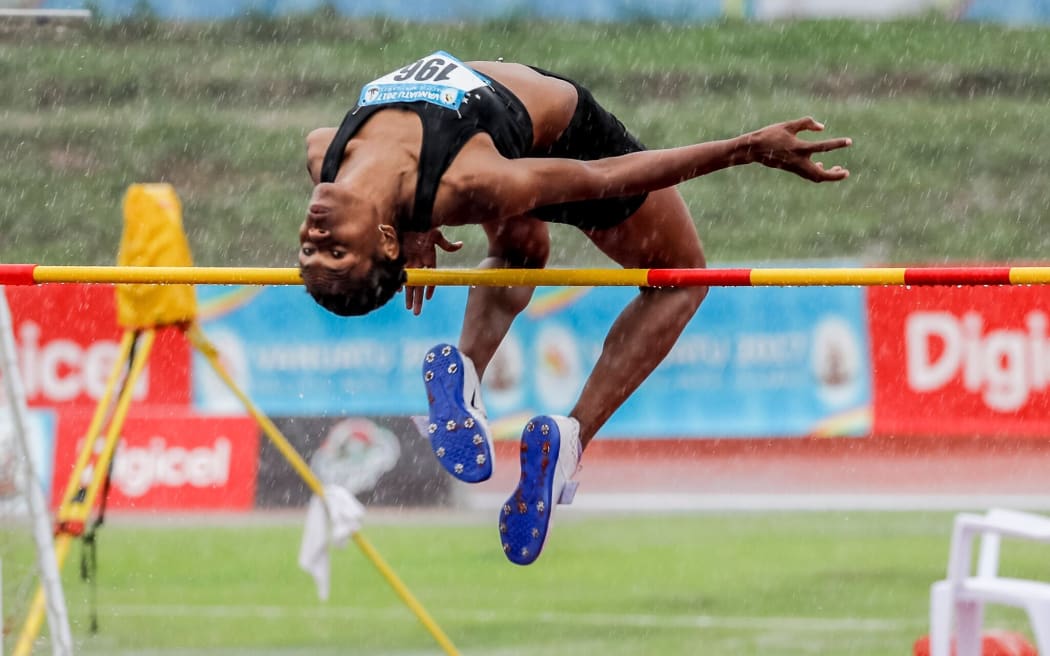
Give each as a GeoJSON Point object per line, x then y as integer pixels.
{"type": "Point", "coordinates": [512, 148]}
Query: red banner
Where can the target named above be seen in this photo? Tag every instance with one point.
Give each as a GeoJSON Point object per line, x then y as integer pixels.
{"type": "Point", "coordinates": [961, 361]}
{"type": "Point", "coordinates": [68, 339]}
{"type": "Point", "coordinates": [170, 460]}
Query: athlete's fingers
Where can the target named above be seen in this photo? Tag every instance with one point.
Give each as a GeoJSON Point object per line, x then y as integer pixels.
{"type": "Point", "coordinates": [830, 144]}
{"type": "Point", "coordinates": [838, 173]}
{"type": "Point", "coordinates": [417, 300]}
{"type": "Point", "coordinates": [446, 245]}
{"type": "Point", "coordinates": [815, 172]}
{"type": "Point", "coordinates": [430, 292]}
{"type": "Point", "coordinates": [833, 174]}
{"type": "Point", "coordinates": [438, 239]}
{"type": "Point", "coordinates": [414, 299]}
{"type": "Point", "coordinates": [806, 123]}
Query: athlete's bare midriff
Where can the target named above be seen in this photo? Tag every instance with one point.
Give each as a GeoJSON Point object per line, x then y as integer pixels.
{"type": "Point", "coordinates": [549, 101]}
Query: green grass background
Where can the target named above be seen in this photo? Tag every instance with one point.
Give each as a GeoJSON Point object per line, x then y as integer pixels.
{"type": "Point", "coordinates": [951, 123]}
{"type": "Point", "coordinates": [742, 584]}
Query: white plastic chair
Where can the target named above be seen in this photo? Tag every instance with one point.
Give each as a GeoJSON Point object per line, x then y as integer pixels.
{"type": "Point", "coordinates": [962, 595]}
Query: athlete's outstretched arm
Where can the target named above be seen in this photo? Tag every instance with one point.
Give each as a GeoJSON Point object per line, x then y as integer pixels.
{"type": "Point", "coordinates": [534, 182]}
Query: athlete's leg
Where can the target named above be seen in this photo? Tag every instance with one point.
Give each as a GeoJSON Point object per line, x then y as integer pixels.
{"type": "Point", "coordinates": [660, 234]}
{"type": "Point", "coordinates": [457, 425]}
{"type": "Point", "coordinates": [520, 242]}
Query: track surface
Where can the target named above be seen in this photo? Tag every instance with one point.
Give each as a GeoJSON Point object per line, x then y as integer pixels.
{"type": "Point", "coordinates": [864, 473]}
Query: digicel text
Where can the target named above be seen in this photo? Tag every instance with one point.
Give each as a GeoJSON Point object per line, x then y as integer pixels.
{"type": "Point", "coordinates": [1004, 366]}
{"type": "Point", "coordinates": [61, 369]}
{"type": "Point", "coordinates": [136, 469]}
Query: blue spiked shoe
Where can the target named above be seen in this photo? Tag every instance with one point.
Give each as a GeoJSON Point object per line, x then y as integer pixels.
{"type": "Point", "coordinates": [550, 455]}
{"type": "Point", "coordinates": [457, 426]}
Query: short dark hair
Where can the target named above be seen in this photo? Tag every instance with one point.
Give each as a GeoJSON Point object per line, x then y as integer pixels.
{"type": "Point", "coordinates": [339, 293]}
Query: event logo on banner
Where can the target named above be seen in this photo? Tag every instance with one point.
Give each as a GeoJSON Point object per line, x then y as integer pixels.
{"type": "Point", "coordinates": [381, 460]}
{"type": "Point", "coordinates": [356, 453]}
{"type": "Point", "coordinates": [171, 461]}
{"type": "Point", "coordinates": [755, 362]}
{"type": "Point", "coordinates": [962, 361]}
{"type": "Point", "coordinates": [68, 340]}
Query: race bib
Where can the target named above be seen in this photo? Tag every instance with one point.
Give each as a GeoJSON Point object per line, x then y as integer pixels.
{"type": "Point", "coordinates": [440, 79]}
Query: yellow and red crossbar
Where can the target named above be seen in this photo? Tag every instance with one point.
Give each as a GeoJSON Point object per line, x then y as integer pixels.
{"type": "Point", "coordinates": [33, 274]}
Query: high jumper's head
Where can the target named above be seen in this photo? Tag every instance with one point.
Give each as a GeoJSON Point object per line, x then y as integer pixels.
{"type": "Point", "coordinates": [350, 260]}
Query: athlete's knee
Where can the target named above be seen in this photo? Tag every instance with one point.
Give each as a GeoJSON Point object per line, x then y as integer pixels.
{"type": "Point", "coordinates": [691, 297]}
{"type": "Point", "coordinates": [697, 296]}
{"type": "Point", "coordinates": [698, 261]}
{"type": "Point", "coordinates": [685, 300]}
{"type": "Point", "coordinates": [533, 255]}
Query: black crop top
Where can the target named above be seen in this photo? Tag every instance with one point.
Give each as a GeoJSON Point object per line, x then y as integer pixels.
{"type": "Point", "coordinates": [491, 109]}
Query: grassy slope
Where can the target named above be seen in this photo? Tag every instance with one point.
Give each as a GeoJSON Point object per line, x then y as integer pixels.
{"type": "Point", "coordinates": [605, 586]}
{"type": "Point", "coordinates": [950, 123]}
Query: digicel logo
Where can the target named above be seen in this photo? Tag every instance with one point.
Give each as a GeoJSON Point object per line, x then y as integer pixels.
{"type": "Point", "coordinates": [1005, 366]}
{"type": "Point", "coordinates": [137, 469]}
{"type": "Point", "coordinates": [62, 370]}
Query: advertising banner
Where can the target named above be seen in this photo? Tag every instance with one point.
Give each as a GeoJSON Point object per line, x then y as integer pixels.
{"type": "Point", "coordinates": [1006, 11]}
{"type": "Point", "coordinates": [68, 340]}
{"type": "Point", "coordinates": [1019, 12]}
{"type": "Point", "coordinates": [454, 10]}
{"type": "Point", "coordinates": [753, 363]}
{"type": "Point", "coordinates": [868, 9]}
{"type": "Point", "coordinates": [293, 358]}
{"type": "Point", "coordinates": [170, 460]}
{"type": "Point", "coordinates": [961, 361]}
{"type": "Point", "coordinates": [1013, 11]}
{"type": "Point", "coordinates": [382, 460]}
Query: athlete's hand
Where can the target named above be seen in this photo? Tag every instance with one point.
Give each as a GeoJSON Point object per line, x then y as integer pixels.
{"type": "Point", "coordinates": [421, 253]}
{"type": "Point", "coordinates": [778, 146]}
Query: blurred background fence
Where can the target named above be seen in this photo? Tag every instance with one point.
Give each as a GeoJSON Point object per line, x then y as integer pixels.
{"type": "Point", "coordinates": [1013, 11]}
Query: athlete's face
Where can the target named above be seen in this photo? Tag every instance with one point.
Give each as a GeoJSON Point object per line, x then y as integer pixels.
{"type": "Point", "coordinates": [338, 234]}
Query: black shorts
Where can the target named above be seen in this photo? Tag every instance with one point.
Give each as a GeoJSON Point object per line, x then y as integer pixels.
{"type": "Point", "coordinates": [593, 133]}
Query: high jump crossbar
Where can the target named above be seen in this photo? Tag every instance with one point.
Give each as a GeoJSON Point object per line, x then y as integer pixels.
{"type": "Point", "coordinates": [33, 274]}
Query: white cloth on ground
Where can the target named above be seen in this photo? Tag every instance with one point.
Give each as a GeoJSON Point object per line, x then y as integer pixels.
{"type": "Point", "coordinates": [329, 523]}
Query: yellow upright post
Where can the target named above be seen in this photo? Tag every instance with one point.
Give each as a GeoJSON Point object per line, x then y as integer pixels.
{"type": "Point", "coordinates": [80, 495]}
{"type": "Point", "coordinates": [153, 237]}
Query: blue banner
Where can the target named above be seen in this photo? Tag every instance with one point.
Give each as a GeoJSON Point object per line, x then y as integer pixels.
{"type": "Point", "coordinates": [294, 358]}
{"type": "Point", "coordinates": [1008, 11]}
{"type": "Point", "coordinates": [754, 362]}
{"type": "Point", "coordinates": [419, 10]}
